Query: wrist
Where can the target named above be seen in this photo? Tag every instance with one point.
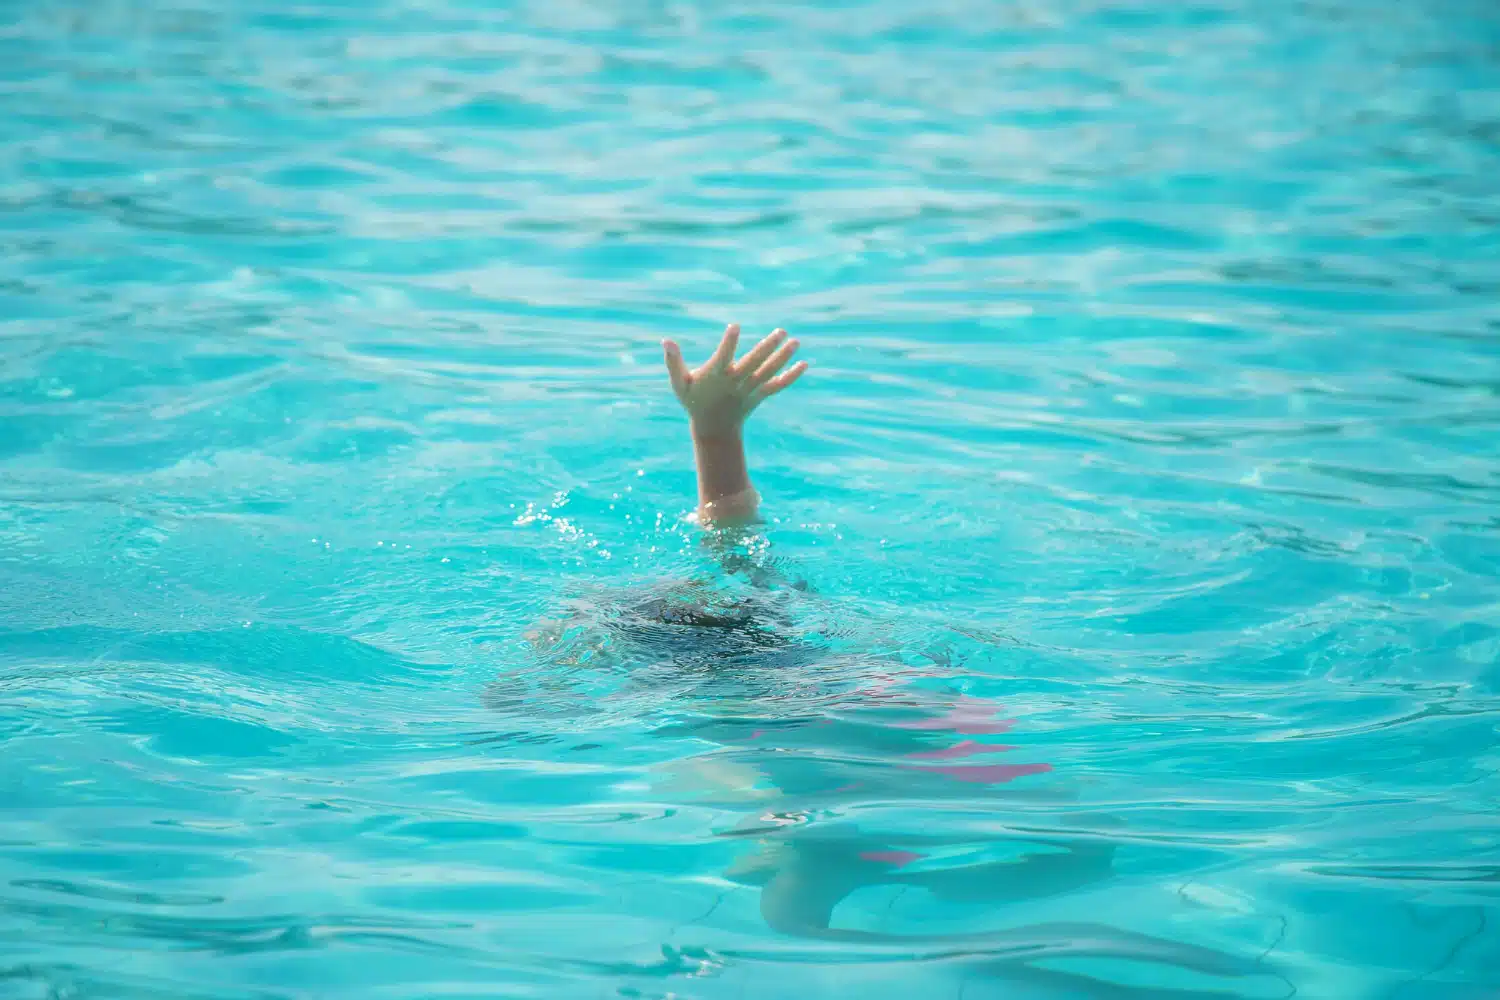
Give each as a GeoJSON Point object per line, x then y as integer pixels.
{"type": "Point", "coordinates": [717, 432]}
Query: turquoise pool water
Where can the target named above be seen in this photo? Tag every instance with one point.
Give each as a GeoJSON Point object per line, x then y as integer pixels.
{"type": "Point", "coordinates": [1145, 490]}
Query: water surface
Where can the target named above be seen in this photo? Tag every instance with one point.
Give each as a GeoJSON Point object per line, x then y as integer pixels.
{"type": "Point", "coordinates": [1126, 623]}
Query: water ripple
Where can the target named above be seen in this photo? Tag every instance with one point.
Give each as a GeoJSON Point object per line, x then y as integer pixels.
{"type": "Point", "coordinates": [1125, 625]}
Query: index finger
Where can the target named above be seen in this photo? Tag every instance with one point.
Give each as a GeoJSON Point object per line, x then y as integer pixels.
{"type": "Point", "coordinates": [725, 353]}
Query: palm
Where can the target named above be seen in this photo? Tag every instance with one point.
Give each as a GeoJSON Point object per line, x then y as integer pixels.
{"type": "Point", "coordinates": [722, 392]}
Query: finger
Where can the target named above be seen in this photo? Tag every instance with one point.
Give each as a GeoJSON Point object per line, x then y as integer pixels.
{"type": "Point", "coordinates": [786, 378]}
{"type": "Point", "coordinates": [775, 362]}
{"type": "Point", "coordinates": [725, 353]}
{"type": "Point", "coordinates": [677, 371]}
{"type": "Point", "coordinates": [757, 356]}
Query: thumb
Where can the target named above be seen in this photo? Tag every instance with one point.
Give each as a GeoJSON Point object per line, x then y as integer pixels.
{"type": "Point", "coordinates": [676, 370]}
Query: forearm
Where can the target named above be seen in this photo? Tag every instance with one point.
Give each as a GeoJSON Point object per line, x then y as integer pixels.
{"type": "Point", "coordinates": [725, 496]}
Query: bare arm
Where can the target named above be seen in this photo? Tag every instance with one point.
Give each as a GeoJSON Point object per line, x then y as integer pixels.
{"type": "Point", "coordinates": [718, 397]}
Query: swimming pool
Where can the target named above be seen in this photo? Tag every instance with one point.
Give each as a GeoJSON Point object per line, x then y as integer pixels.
{"type": "Point", "coordinates": [1144, 492]}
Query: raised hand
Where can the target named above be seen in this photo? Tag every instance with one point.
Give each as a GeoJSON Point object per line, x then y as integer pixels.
{"type": "Point", "coordinates": [720, 394]}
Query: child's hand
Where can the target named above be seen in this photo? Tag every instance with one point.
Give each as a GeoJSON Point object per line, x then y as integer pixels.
{"type": "Point", "coordinates": [721, 394]}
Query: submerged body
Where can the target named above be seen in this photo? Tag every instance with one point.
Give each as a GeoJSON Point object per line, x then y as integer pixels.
{"type": "Point", "coordinates": [803, 733]}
